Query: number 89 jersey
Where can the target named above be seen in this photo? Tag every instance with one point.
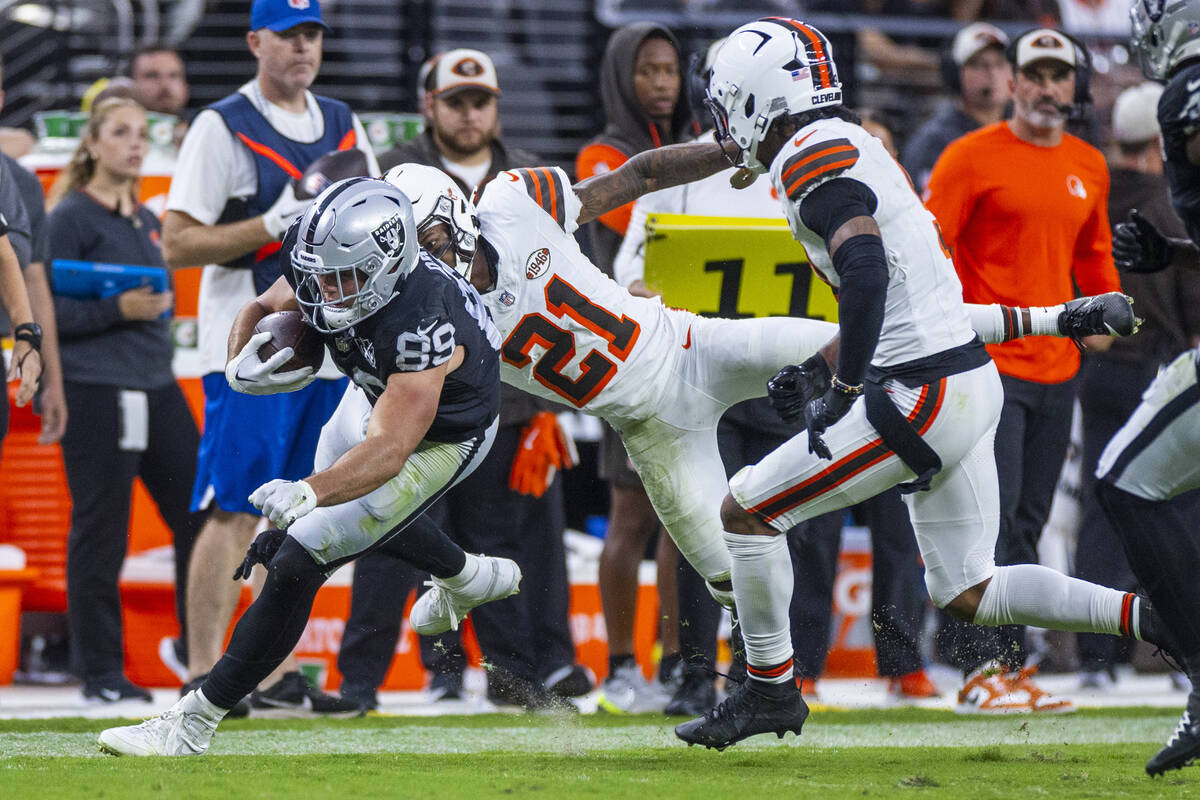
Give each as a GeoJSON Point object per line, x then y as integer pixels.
{"type": "Point", "coordinates": [570, 333]}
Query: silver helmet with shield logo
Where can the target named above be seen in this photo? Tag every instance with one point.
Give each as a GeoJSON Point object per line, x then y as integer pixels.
{"type": "Point", "coordinates": [355, 243]}
{"type": "Point", "coordinates": [1165, 34]}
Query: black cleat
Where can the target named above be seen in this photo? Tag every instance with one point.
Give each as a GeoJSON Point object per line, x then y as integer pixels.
{"type": "Point", "coordinates": [1181, 749]}
{"type": "Point", "coordinates": [695, 695]}
{"type": "Point", "coordinates": [748, 711]}
{"type": "Point", "coordinates": [1108, 314]}
{"type": "Point", "coordinates": [293, 692]}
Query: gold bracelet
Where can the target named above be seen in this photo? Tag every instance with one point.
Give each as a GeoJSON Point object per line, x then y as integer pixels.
{"type": "Point", "coordinates": [845, 388]}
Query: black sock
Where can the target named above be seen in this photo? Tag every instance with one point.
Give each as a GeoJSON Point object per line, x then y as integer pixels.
{"type": "Point", "coordinates": [426, 547]}
{"type": "Point", "coordinates": [618, 661]}
{"type": "Point", "coordinates": [269, 629]}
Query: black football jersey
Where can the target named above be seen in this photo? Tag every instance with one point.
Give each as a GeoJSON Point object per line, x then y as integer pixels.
{"type": "Point", "coordinates": [1179, 118]}
{"type": "Point", "coordinates": [432, 311]}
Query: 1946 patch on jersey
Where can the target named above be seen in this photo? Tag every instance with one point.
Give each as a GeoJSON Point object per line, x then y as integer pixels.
{"type": "Point", "coordinates": [537, 263]}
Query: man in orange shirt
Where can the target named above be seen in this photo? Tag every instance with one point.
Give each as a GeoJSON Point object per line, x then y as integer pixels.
{"type": "Point", "coordinates": [1022, 206]}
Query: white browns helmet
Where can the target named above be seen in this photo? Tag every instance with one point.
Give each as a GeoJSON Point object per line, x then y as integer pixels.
{"type": "Point", "coordinates": [355, 242]}
{"type": "Point", "coordinates": [765, 69]}
{"type": "Point", "coordinates": [435, 198]}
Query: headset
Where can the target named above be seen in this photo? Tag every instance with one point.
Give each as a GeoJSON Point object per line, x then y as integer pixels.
{"type": "Point", "coordinates": [1083, 72]}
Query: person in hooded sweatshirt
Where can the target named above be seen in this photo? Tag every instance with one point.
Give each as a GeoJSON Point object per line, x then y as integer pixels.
{"type": "Point", "coordinates": [642, 88]}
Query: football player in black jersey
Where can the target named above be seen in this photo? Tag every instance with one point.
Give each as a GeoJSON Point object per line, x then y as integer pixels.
{"type": "Point", "coordinates": [419, 416]}
{"type": "Point", "coordinates": [1149, 467]}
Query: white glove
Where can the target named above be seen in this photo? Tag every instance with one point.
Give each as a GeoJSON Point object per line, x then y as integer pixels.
{"type": "Point", "coordinates": [249, 374]}
{"type": "Point", "coordinates": [284, 502]}
{"type": "Point", "coordinates": [284, 211]}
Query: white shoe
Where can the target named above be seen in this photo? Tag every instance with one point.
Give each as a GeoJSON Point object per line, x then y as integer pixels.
{"type": "Point", "coordinates": [181, 730]}
{"type": "Point", "coordinates": [626, 691]}
{"type": "Point", "coordinates": [441, 608]}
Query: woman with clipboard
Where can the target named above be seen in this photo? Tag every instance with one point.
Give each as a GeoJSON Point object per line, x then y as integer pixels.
{"type": "Point", "coordinates": [128, 416]}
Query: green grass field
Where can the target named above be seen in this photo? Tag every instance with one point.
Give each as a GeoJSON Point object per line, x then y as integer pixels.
{"type": "Point", "coordinates": [903, 752]}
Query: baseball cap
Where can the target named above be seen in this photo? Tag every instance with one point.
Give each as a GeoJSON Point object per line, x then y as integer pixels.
{"type": "Point", "coordinates": [279, 15]}
{"type": "Point", "coordinates": [975, 37]}
{"type": "Point", "coordinates": [457, 70]}
{"type": "Point", "coordinates": [1042, 43]}
{"type": "Point", "coordinates": [1135, 114]}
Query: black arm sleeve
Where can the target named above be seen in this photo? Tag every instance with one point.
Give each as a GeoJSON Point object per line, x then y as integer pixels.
{"type": "Point", "coordinates": [827, 207]}
{"type": "Point", "coordinates": [860, 263]}
{"type": "Point", "coordinates": [862, 266]}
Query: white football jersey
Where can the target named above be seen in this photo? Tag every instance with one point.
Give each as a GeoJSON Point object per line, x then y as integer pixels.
{"type": "Point", "coordinates": [569, 332]}
{"type": "Point", "coordinates": [924, 312]}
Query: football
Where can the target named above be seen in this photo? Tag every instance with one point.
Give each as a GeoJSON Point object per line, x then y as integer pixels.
{"type": "Point", "coordinates": [291, 329]}
{"type": "Point", "coordinates": [330, 168]}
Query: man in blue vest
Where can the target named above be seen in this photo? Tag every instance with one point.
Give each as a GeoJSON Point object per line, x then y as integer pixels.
{"type": "Point", "coordinates": [232, 198]}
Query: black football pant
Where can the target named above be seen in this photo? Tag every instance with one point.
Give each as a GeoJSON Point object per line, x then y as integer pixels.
{"type": "Point", "coordinates": [105, 447]}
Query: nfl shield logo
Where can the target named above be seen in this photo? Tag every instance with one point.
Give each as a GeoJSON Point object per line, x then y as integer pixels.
{"type": "Point", "coordinates": [299, 5]}
{"type": "Point", "coordinates": [507, 298]}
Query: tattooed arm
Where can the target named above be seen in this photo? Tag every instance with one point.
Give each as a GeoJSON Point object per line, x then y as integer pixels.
{"type": "Point", "coordinates": [648, 171]}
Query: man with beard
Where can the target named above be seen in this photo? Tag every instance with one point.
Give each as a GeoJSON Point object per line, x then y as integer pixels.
{"type": "Point", "coordinates": [1022, 204]}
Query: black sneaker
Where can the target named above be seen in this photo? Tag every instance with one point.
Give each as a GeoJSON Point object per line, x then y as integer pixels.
{"type": "Point", "coordinates": [574, 680]}
{"type": "Point", "coordinates": [1109, 314]}
{"type": "Point", "coordinates": [752, 708]}
{"type": "Point", "coordinates": [695, 695]}
{"type": "Point", "coordinates": [365, 697]}
{"type": "Point", "coordinates": [445, 686]}
{"type": "Point", "coordinates": [113, 689]}
{"type": "Point", "coordinates": [1182, 748]}
{"type": "Point", "coordinates": [506, 689]}
{"type": "Point", "coordinates": [240, 709]}
{"type": "Point", "coordinates": [1153, 631]}
{"type": "Point", "coordinates": [293, 692]}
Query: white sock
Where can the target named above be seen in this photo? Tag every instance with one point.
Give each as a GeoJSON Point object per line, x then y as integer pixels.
{"type": "Point", "coordinates": [997, 323]}
{"type": "Point", "coordinates": [204, 707]}
{"type": "Point", "coordinates": [468, 573]}
{"type": "Point", "coordinates": [762, 585]}
{"type": "Point", "coordinates": [1030, 594]}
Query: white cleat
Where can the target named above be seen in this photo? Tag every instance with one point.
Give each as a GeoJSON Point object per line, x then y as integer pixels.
{"type": "Point", "coordinates": [181, 730]}
{"type": "Point", "coordinates": [441, 608]}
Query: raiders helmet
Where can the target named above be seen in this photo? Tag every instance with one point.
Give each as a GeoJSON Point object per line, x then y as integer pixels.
{"type": "Point", "coordinates": [1165, 34]}
{"type": "Point", "coordinates": [765, 69]}
{"type": "Point", "coordinates": [435, 198]}
{"type": "Point", "coordinates": [354, 244]}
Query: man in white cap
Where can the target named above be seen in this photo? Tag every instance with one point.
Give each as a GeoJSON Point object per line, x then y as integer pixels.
{"type": "Point", "coordinates": [1112, 382]}
{"type": "Point", "coordinates": [976, 74]}
{"type": "Point", "coordinates": [1022, 204]}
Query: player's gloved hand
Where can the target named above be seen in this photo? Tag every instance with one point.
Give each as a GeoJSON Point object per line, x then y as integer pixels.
{"type": "Point", "coordinates": [249, 374]}
{"type": "Point", "coordinates": [822, 412]}
{"type": "Point", "coordinates": [1138, 246]}
{"type": "Point", "coordinates": [794, 386]}
{"type": "Point", "coordinates": [284, 502]}
{"type": "Point", "coordinates": [283, 211]}
{"type": "Point", "coordinates": [545, 448]}
{"type": "Point", "coordinates": [261, 551]}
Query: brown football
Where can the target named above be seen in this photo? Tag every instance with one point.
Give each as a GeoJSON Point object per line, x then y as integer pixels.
{"type": "Point", "coordinates": [329, 169]}
{"type": "Point", "coordinates": [290, 329]}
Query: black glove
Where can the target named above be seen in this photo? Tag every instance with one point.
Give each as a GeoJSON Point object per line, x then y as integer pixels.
{"type": "Point", "coordinates": [794, 386]}
{"type": "Point", "coordinates": [823, 412]}
{"type": "Point", "coordinates": [262, 550]}
{"type": "Point", "coordinates": [1139, 247]}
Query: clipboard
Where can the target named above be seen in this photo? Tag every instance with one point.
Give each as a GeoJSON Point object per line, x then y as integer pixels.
{"type": "Point", "coordinates": [93, 280]}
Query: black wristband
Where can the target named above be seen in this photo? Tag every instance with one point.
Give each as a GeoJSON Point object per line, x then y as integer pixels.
{"type": "Point", "coordinates": [29, 332]}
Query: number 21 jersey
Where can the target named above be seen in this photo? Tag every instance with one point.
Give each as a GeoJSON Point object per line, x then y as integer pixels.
{"type": "Point", "coordinates": [569, 332]}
